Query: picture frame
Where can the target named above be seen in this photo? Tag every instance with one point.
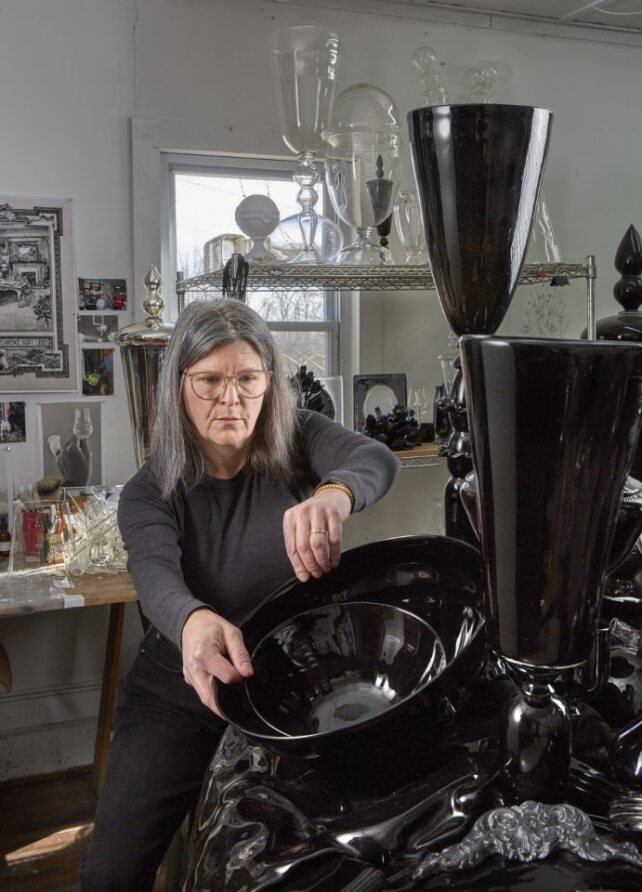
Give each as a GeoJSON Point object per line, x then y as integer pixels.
{"type": "Point", "coordinates": [382, 390]}
{"type": "Point", "coordinates": [38, 336]}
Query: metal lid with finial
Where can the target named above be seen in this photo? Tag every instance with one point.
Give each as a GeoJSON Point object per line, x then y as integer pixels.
{"type": "Point", "coordinates": [153, 331]}
{"type": "Point", "coordinates": [142, 347]}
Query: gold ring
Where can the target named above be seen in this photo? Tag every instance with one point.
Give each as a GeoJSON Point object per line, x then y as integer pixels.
{"type": "Point", "coordinates": [318, 530]}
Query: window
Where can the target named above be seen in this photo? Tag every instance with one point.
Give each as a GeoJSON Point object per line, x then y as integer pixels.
{"type": "Point", "coordinates": [203, 196]}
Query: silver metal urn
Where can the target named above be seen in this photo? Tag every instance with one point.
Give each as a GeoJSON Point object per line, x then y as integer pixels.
{"type": "Point", "coordinates": [142, 346]}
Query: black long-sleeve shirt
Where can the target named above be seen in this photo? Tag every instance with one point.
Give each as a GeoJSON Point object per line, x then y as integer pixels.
{"type": "Point", "coordinates": [220, 544]}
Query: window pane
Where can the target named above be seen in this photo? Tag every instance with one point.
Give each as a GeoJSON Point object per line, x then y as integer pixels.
{"type": "Point", "coordinates": [304, 348]}
{"type": "Point", "coordinates": [289, 306]}
{"type": "Point", "coordinates": [205, 206]}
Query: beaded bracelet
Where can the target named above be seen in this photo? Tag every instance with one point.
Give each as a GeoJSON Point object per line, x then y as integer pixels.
{"type": "Point", "coordinates": [333, 484]}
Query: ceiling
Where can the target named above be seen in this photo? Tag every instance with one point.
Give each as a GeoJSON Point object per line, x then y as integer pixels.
{"type": "Point", "coordinates": [625, 15]}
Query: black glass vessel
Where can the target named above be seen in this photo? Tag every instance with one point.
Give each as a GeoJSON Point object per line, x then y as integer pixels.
{"type": "Point", "coordinates": [478, 170]}
{"type": "Point", "coordinates": [553, 428]}
{"type": "Point", "coordinates": [627, 324]}
{"type": "Point", "coordinates": [553, 425]}
{"type": "Point", "coordinates": [401, 618]}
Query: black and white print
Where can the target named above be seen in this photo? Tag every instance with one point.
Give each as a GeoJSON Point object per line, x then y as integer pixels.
{"type": "Point", "coordinates": [37, 313]}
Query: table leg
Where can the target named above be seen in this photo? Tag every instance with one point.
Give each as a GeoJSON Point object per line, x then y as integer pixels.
{"type": "Point", "coordinates": [108, 692]}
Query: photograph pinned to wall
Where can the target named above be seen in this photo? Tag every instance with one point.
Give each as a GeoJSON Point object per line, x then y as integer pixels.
{"type": "Point", "coordinates": [373, 392]}
{"type": "Point", "coordinates": [37, 296]}
{"type": "Point", "coordinates": [97, 327]}
{"type": "Point", "coordinates": [102, 294]}
{"type": "Point", "coordinates": [98, 372]}
{"type": "Point", "coordinates": [71, 442]}
{"type": "Point", "coordinates": [13, 427]}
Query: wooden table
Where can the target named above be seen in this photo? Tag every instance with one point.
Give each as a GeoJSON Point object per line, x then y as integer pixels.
{"type": "Point", "coordinates": [38, 591]}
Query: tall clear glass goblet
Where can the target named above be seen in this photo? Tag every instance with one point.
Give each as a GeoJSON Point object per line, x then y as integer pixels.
{"type": "Point", "coordinates": [362, 174]}
{"type": "Point", "coordinates": [304, 61]}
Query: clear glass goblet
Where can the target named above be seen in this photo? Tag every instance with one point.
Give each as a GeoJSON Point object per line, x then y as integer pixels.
{"type": "Point", "coordinates": [304, 62]}
{"type": "Point", "coordinates": [362, 174]}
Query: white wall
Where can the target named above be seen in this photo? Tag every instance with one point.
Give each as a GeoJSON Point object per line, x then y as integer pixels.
{"type": "Point", "coordinates": [76, 71]}
{"type": "Point", "coordinates": [67, 69]}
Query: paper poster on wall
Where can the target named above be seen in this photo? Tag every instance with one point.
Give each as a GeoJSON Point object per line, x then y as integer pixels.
{"type": "Point", "coordinates": [71, 442]}
{"type": "Point", "coordinates": [37, 307]}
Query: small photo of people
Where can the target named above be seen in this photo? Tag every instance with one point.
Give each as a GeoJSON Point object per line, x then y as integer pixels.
{"type": "Point", "coordinates": [12, 423]}
{"type": "Point", "coordinates": [96, 295]}
{"type": "Point", "coordinates": [98, 372]}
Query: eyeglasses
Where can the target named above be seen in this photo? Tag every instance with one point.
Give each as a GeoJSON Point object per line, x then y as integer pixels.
{"type": "Point", "coordinates": [250, 383]}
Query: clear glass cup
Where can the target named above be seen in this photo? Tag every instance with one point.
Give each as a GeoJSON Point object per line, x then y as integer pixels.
{"type": "Point", "coordinates": [410, 227]}
{"type": "Point", "coordinates": [448, 370]}
{"type": "Point", "coordinates": [304, 61]}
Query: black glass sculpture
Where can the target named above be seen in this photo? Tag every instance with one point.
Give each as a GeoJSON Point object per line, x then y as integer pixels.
{"type": "Point", "coordinates": [310, 392]}
{"type": "Point", "coordinates": [553, 427]}
{"type": "Point", "coordinates": [408, 582]}
{"type": "Point", "coordinates": [478, 170]}
{"type": "Point", "coordinates": [627, 324]}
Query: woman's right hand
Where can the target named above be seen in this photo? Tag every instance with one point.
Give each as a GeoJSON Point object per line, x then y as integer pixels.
{"type": "Point", "coordinates": [212, 649]}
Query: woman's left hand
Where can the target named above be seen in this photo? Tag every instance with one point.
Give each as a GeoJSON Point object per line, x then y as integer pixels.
{"type": "Point", "coordinates": [312, 532]}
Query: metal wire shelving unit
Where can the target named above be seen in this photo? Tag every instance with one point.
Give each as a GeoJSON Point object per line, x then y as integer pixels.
{"type": "Point", "coordinates": [277, 277]}
{"type": "Point", "coordinates": [332, 276]}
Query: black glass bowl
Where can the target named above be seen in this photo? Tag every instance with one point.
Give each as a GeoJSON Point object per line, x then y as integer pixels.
{"type": "Point", "coordinates": [343, 664]}
{"type": "Point", "coordinates": [437, 580]}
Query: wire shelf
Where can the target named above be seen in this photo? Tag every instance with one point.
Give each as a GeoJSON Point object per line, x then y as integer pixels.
{"type": "Point", "coordinates": [332, 276]}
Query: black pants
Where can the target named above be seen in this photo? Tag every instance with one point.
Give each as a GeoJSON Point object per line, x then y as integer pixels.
{"type": "Point", "coordinates": [163, 741]}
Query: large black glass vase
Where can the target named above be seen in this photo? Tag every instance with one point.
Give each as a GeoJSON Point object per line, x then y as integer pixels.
{"type": "Point", "coordinates": [478, 170]}
{"type": "Point", "coordinates": [553, 428]}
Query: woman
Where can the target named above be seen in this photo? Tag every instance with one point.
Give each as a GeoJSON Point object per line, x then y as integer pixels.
{"type": "Point", "coordinates": [240, 491]}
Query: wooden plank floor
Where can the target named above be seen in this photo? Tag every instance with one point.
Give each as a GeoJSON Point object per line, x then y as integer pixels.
{"type": "Point", "coordinates": [44, 830]}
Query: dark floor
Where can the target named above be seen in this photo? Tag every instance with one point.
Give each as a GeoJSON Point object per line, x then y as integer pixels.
{"type": "Point", "coordinates": [45, 825]}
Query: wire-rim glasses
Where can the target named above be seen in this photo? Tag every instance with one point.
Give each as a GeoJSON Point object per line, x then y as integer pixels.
{"type": "Point", "coordinates": [250, 383]}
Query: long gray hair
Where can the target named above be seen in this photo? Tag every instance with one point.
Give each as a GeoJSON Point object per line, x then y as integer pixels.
{"type": "Point", "coordinates": [175, 455]}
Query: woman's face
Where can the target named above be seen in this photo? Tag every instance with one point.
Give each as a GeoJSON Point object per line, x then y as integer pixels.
{"type": "Point", "coordinates": [224, 425]}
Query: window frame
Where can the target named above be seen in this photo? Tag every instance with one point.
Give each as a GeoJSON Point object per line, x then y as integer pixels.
{"type": "Point", "coordinates": [248, 168]}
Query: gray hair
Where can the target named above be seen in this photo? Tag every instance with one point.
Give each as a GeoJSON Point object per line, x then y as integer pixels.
{"type": "Point", "coordinates": [175, 455]}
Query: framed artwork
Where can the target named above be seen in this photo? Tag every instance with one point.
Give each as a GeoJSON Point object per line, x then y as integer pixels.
{"type": "Point", "coordinates": [377, 391]}
{"type": "Point", "coordinates": [28, 252]}
{"type": "Point", "coordinates": [37, 306]}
